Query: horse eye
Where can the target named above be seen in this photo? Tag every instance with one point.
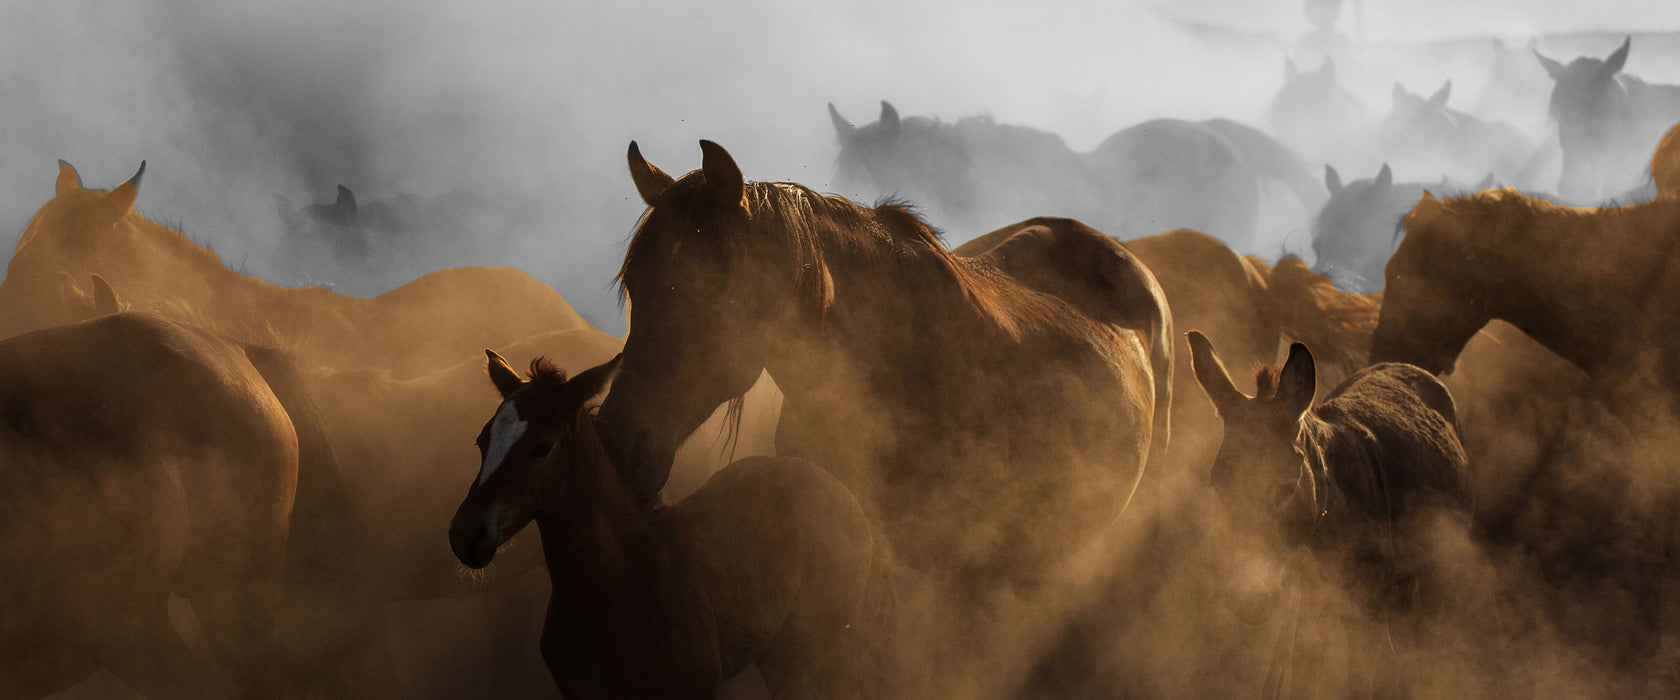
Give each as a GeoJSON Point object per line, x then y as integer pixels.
{"type": "Point", "coordinates": [541, 449]}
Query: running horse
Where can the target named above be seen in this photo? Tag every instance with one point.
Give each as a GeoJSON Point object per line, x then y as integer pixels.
{"type": "Point", "coordinates": [996, 412]}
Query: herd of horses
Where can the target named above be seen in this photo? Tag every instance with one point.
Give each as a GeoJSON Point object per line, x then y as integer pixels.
{"type": "Point", "coordinates": [1019, 467]}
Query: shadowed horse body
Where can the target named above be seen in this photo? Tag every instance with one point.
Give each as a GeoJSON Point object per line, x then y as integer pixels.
{"type": "Point", "coordinates": [1148, 178]}
{"type": "Point", "coordinates": [1606, 121]}
{"type": "Point", "coordinates": [119, 491]}
{"type": "Point", "coordinates": [772, 561]}
{"type": "Point", "coordinates": [888, 349]}
{"type": "Point", "coordinates": [1360, 481]}
{"type": "Point", "coordinates": [429, 323]}
{"type": "Point", "coordinates": [1314, 115]}
{"type": "Point", "coordinates": [1424, 135]}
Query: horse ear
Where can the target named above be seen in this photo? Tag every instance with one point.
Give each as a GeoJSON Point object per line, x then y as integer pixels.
{"type": "Point", "coordinates": [842, 126]}
{"type": "Point", "coordinates": [1328, 70]}
{"type": "Point", "coordinates": [1618, 58]}
{"type": "Point", "coordinates": [1553, 68]}
{"type": "Point", "coordinates": [593, 382]}
{"type": "Point", "coordinates": [889, 120]}
{"type": "Point", "coordinates": [502, 375]}
{"type": "Point", "coordinates": [1211, 374]}
{"type": "Point", "coordinates": [1289, 69]}
{"type": "Point", "coordinates": [650, 181]}
{"type": "Point", "coordinates": [344, 208]}
{"type": "Point", "coordinates": [122, 198]}
{"type": "Point", "coordinates": [1385, 177]}
{"type": "Point", "coordinates": [1298, 380]}
{"type": "Point", "coordinates": [68, 179]}
{"type": "Point", "coordinates": [104, 298]}
{"type": "Point", "coordinates": [1439, 99]}
{"type": "Point", "coordinates": [1332, 179]}
{"type": "Point", "coordinates": [1486, 183]}
{"type": "Point", "coordinates": [1398, 93]}
{"type": "Point", "coordinates": [723, 176]}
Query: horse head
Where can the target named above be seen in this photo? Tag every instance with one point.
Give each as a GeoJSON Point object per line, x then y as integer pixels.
{"type": "Point", "coordinates": [716, 267]}
{"type": "Point", "coordinates": [534, 450]}
{"type": "Point", "coordinates": [77, 226]}
{"type": "Point", "coordinates": [1431, 305]}
{"type": "Point", "coordinates": [1265, 483]}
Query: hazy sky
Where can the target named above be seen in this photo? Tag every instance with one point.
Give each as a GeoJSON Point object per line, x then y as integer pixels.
{"type": "Point", "coordinates": [531, 104]}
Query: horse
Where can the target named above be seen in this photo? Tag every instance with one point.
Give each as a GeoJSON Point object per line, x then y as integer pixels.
{"type": "Point", "coordinates": [771, 562]}
{"type": "Point", "coordinates": [1314, 115]}
{"type": "Point", "coordinates": [1158, 175]}
{"type": "Point", "coordinates": [423, 325]}
{"type": "Point", "coordinates": [1360, 225]}
{"type": "Point", "coordinates": [117, 492]}
{"type": "Point", "coordinates": [1248, 307]}
{"type": "Point", "coordinates": [1360, 481]}
{"type": "Point", "coordinates": [860, 314]}
{"type": "Point", "coordinates": [1605, 121]}
{"type": "Point", "coordinates": [1425, 135]}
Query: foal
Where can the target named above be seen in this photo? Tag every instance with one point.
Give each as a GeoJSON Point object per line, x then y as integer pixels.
{"type": "Point", "coordinates": [771, 562]}
{"type": "Point", "coordinates": [1358, 481]}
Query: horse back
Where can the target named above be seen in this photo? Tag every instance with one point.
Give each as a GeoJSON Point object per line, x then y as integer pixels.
{"type": "Point", "coordinates": [1394, 443]}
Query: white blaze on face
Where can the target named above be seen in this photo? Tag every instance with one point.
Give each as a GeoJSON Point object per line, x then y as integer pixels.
{"type": "Point", "coordinates": [505, 430]}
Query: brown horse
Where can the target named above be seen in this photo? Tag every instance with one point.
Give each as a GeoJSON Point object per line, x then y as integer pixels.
{"type": "Point", "coordinates": [1359, 480]}
{"type": "Point", "coordinates": [772, 561]}
{"type": "Point", "coordinates": [429, 323]}
{"type": "Point", "coordinates": [118, 491]}
{"type": "Point", "coordinates": [1499, 255]}
{"type": "Point", "coordinates": [891, 354]}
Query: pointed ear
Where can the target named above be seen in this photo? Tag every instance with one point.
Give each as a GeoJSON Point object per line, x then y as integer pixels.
{"type": "Point", "coordinates": [68, 179]}
{"type": "Point", "coordinates": [1328, 70]}
{"type": "Point", "coordinates": [122, 198]}
{"type": "Point", "coordinates": [344, 208]}
{"type": "Point", "coordinates": [1289, 69]}
{"type": "Point", "coordinates": [1553, 68]}
{"type": "Point", "coordinates": [594, 381]}
{"type": "Point", "coordinates": [890, 125]}
{"type": "Point", "coordinates": [1332, 179]}
{"type": "Point", "coordinates": [650, 181]}
{"type": "Point", "coordinates": [1385, 177]}
{"type": "Point", "coordinates": [502, 375]}
{"type": "Point", "coordinates": [1298, 380]}
{"type": "Point", "coordinates": [104, 298]}
{"type": "Point", "coordinates": [1397, 93]}
{"type": "Point", "coordinates": [723, 176]}
{"type": "Point", "coordinates": [1439, 99]}
{"type": "Point", "coordinates": [842, 126]}
{"type": "Point", "coordinates": [1613, 64]}
{"type": "Point", "coordinates": [1486, 183]}
{"type": "Point", "coordinates": [1211, 374]}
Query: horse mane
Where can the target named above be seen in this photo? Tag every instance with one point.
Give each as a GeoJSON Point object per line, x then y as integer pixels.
{"type": "Point", "coordinates": [1308, 307]}
{"type": "Point", "coordinates": [1266, 379]}
{"type": "Point", "coordinates": [543, 369]}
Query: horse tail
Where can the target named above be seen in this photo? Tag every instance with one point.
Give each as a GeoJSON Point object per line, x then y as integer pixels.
{"type": "Point", "coordinates": [337, 610]}
{"type": "Point", "coordinates": [1307, 307]}
{"type": "Point", "coordinates": [1272, 159]}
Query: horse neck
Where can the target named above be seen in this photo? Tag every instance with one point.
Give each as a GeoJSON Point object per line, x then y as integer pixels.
{"type": "Point", "coordinates": [604, 548]}
{"type": "Point", "coordinates": [1560, 256]}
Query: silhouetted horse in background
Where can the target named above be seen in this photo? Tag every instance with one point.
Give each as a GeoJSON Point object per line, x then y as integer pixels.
{"type": "Point", "coordinates": [1361, 482]}
{"type": "Point", "coordinates": [1318, 118]}
{"type": "Point", "coordinates": [887, 349]}
{"type": "Point", "coordinates": [142, 458]}
{"type": "Point", "coordinates": [1425, 136]}
{"type": "Point", "coordinates": [1155, 176]}
{"type": "Point", "coordinates": [1605, 122]}
{"type": "Point", "coordinates": [772, 561]}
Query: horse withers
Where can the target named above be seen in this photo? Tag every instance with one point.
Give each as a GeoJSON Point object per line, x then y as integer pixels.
{"type": "Point", "coordinates": [1360, 481]}
{"type": "Point", "coordinates": [771, 562]}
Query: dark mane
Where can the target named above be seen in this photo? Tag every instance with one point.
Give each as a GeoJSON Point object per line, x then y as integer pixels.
{"type": "Point", "coordinates": [806, 224]}
{"type": "Point", "coordinates": [1265, 381]}
{"type": "Point", "coordinates": [544, 370]}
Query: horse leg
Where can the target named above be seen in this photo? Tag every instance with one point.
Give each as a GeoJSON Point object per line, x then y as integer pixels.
{"type": "Point", "coordinates": [160, 665]}
{"type": "Point", "coordinates": [513, 614]}
{"type": "Point", "coordinates": [241, 626]}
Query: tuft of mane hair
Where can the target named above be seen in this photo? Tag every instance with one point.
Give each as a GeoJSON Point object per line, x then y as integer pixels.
{"type": "Point", "coordinates": [544, 369]}
{"type": "Point", "coordinates": [1265, 381]}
